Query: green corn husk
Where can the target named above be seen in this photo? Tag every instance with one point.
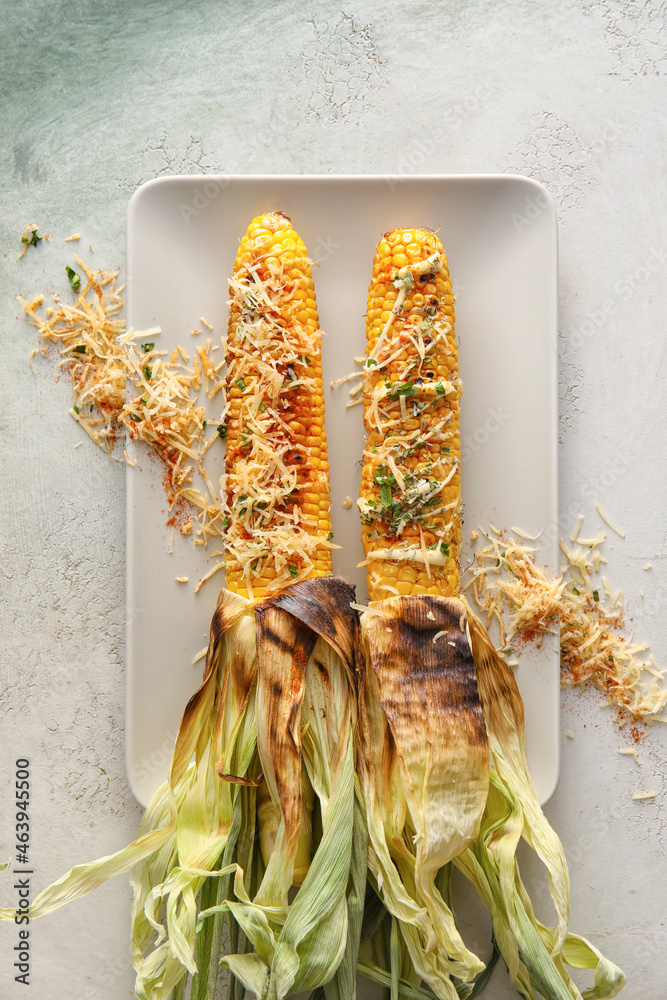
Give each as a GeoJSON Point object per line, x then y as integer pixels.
{"type": "Point", "coordinates": [196, 839]}
{"type": "Point", "coordinates": [396, 749]}
{"type": "Point", "coordinates": [424, 762]}
{"type": "Point", "coordinates": [187, 823]}
{"type": "Point", "coordinates": [536, 956]}
{"type": "Point", "coordinates": [306, 653]}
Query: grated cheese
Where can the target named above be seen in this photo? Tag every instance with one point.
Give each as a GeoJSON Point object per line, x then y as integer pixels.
{"type": "Point", "coordinates": [363, 608]}
{"type": "Point", "coordinates": [214, 569]}
{"type": "Point", "coordinates": [605, 517]}
{"type": "Point", "coordinates": [271, 358]}
{"type": "Point", "coordinates": [123, 391]}
{"type": "Point", "coordinates": [643, 796]}
{"type": "Point", "coordinates": [577, 528]}
{"type": "Point", "coordinates": [528, 604]}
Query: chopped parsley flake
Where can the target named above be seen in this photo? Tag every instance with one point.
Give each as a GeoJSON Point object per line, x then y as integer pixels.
{"type": "Point", "coordinates": [33, 239]}
{"type": "Point", "coordinates": [74, 278]}
{"type": "Point", "coordinates": [397, 389]}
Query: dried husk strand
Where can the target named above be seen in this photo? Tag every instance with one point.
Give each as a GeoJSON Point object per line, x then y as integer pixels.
{"type": "Point", "coordinates": [188, 835]}
{"type": "Point", "coordinates": [187, 823]}
{"type": "Point", "coordinates": [536, 955]}
{"type": "Point", "coordinates": [423, 762]}
{"type": "Point", "coordinates": [306, 649]}
{"type": "Point", "coordinates": [504, 715]}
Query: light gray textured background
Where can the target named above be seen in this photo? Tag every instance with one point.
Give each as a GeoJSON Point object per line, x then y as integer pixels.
{"type": "Point", "coordinates": [98, 97]}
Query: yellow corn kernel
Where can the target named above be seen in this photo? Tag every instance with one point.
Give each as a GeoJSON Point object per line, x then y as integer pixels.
{"type": "Point", "coordinates": [272, 264]}
{"type": "Point", "coordinates": [410, 335]}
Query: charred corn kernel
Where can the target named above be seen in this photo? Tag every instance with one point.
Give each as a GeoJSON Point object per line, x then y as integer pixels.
{"type": "Point", "coordinates": [277, 489]}
{"type": "Point", "coordinates": [411, 484]}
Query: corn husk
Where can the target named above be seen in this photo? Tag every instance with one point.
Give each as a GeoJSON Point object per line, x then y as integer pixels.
{"type": "Point", "coordinates": [536, 955]}
{"type": "Point", "coordinates": [403, 733]}
{"type": "Point", "coordinates": [196, 839]}
{"type": "Point", "coordinates": [306, 646]}
{"type": "Point", "coordinates": [424, 766]}
{"type": "Point", "coordinates": [187, 823]}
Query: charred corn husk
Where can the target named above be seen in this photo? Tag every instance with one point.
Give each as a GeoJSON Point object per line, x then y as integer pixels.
{"type": "Point", "coordinates": [441, 753]}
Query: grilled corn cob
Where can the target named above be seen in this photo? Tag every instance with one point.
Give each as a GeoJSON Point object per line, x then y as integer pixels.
{"type": "Point", "coordinates": [277, 470]}
{"type": "Point", "coordinates": [442, 757]}
{"type": "Point", "coordinates": [277, 705]}
{"type": "Point", "coordinates": [411, 484]}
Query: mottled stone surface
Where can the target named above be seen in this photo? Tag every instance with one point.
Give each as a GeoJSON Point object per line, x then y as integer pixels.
{"type": "Point", "coordinates": [100, 97]}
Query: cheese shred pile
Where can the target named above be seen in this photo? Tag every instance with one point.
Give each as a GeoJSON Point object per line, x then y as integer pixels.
{"type": "Point", "coordinates": [528, 604]}
{"type": "Point", "coordinates": [123, 386]}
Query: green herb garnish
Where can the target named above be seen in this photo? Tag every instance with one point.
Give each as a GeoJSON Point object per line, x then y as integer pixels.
{"type": "Point", "coordinates": [32, 239]}
{"type": "Point", "coordinates": [406, 389]}
{"type": "Point", "coordinates": [385, 495]}
{"type": "Point", "coordinates": [74, 278]}
{"type": "Point", "coordinates": [222, 431]}
{"type": "Point", "coordinates": [148, 346]}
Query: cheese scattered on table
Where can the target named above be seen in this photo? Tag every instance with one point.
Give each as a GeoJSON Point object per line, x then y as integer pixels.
{"type": "Point", "coordinates": [507, 584]}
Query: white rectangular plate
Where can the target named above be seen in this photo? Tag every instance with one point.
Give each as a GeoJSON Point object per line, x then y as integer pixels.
{"type": "Point", "coordinates": [183, 233]}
